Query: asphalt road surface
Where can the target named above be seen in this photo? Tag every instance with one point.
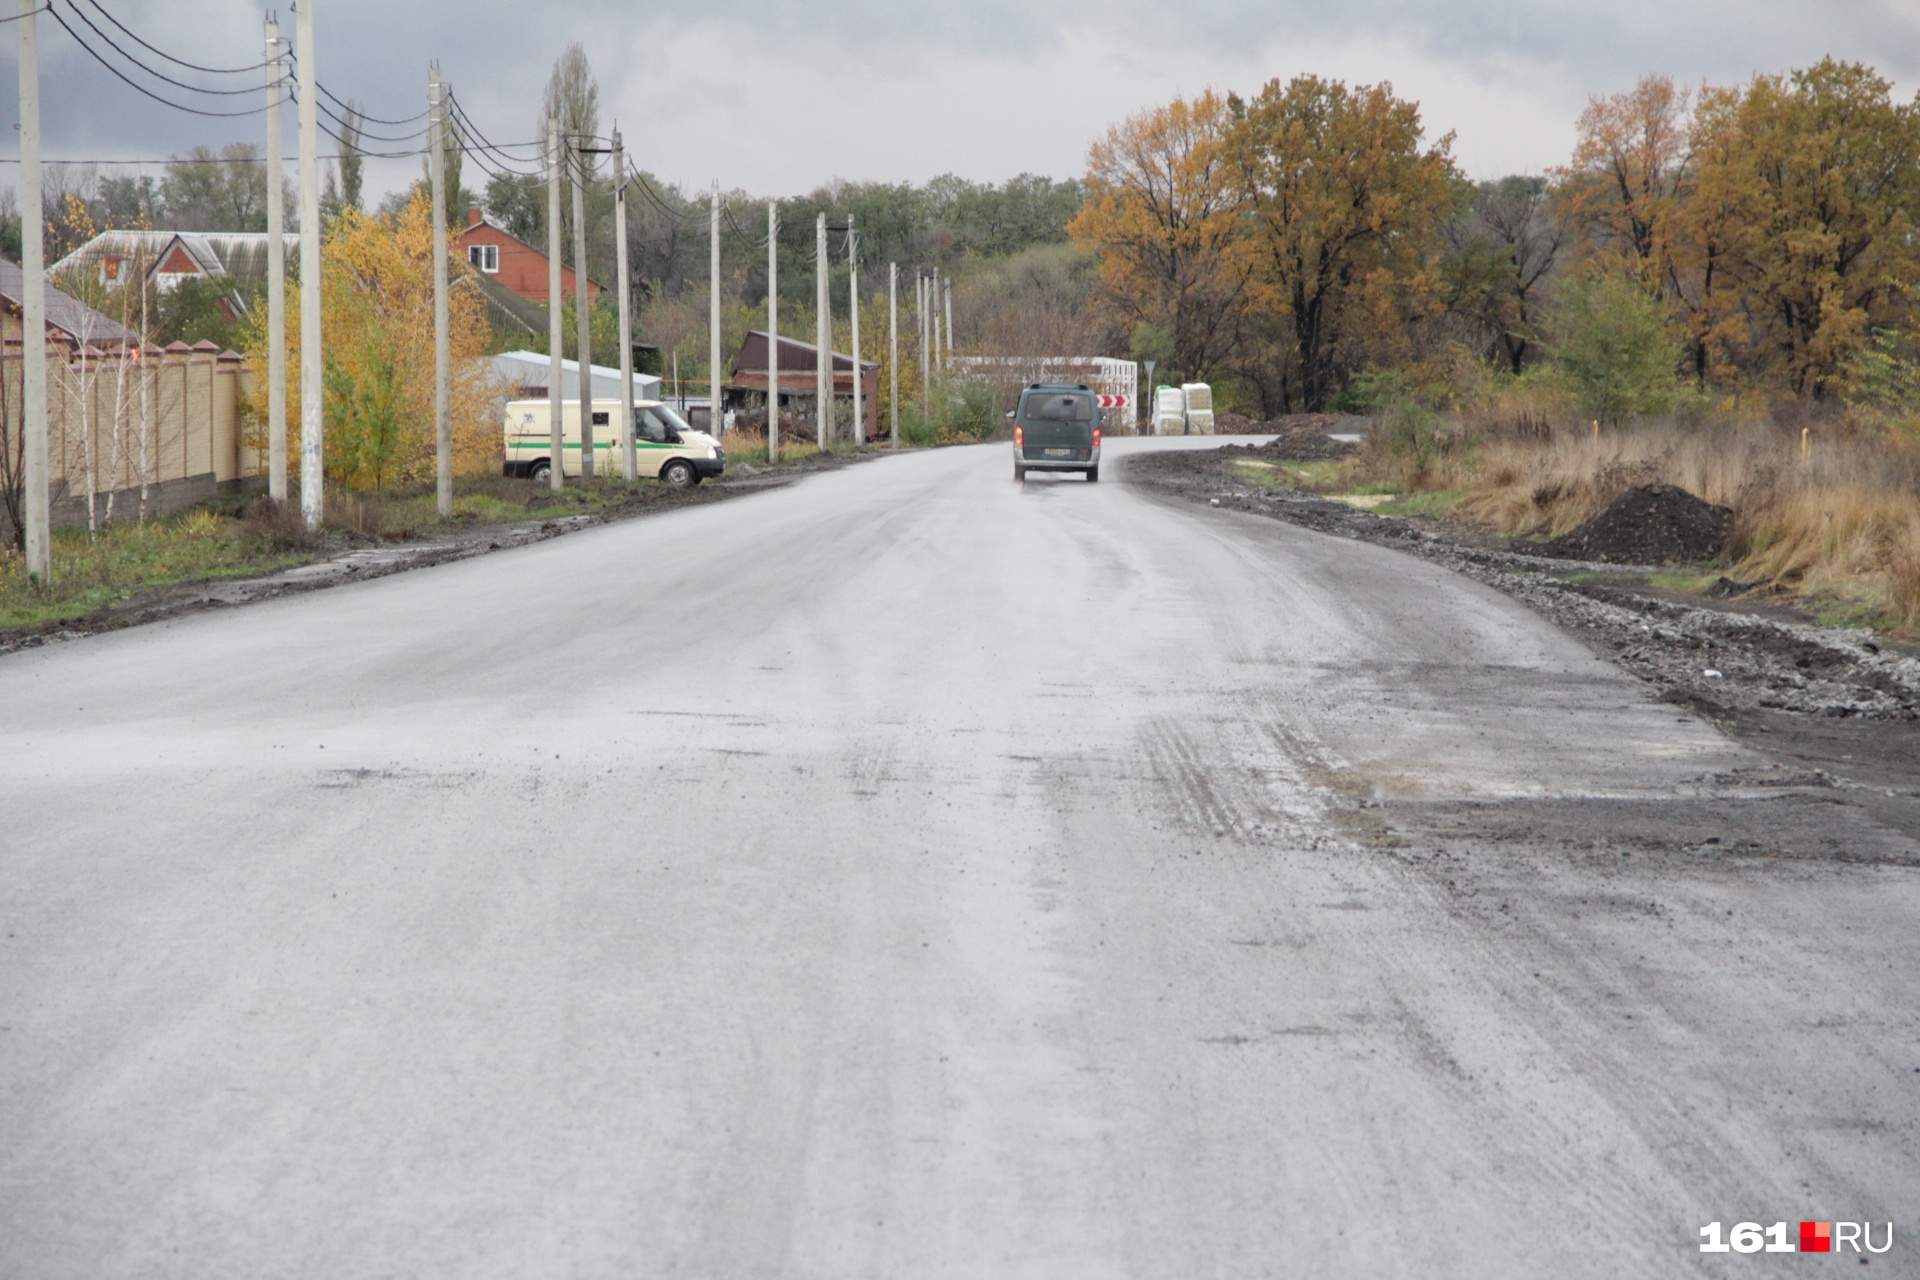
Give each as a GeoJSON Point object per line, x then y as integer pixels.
{"type": "Point", "coordinates": [911, 873]}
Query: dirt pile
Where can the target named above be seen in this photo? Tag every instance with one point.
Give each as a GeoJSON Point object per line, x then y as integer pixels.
{"type": "Point", "coordinates": [1648, 524]}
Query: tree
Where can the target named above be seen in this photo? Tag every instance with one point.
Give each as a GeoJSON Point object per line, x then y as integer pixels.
{"type": "Point", "coordinates": [1161, 213]}
{"type": "Point", "coordinates": [1343, 208]}
{"type": "Point", "coordinates": [377, 278]}
{"type": "Point", "coordinates": [1501, 249]}
{"type": "Point", "coordinates": [352, 161]}
{"type": "Point", "coordinates": [1615, 345]}
{"type": "Point", "coordinates": [1803, 235]}
{"type": "Point", "coordinates": [203, 191]}
{"type": "Point", "coordinates": [1629, 174]}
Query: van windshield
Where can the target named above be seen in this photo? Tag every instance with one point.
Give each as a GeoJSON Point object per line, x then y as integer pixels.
{"type": "Point", "coordinates": [1052, 408]}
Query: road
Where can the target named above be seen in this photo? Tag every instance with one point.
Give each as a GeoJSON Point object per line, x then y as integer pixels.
{"type": "Point", "coordinates": [909, 873]}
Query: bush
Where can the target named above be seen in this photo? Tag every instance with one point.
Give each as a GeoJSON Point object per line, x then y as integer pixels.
{"type": "Point", "coordinates": [1614, 346]}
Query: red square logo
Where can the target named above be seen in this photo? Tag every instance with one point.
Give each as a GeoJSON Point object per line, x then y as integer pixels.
{"type": "Point", "coordinates": [1816, 1237]}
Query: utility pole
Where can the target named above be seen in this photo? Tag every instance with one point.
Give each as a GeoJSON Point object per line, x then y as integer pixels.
{"type": "Point", "coordinates": [920, 309]}
{"type": "Point", "coordinates": [893, 350]}
{"type": "Point", "coordinates": [822, 338]}
{"type": "Point", "coordinates": [629, 456]}
{"type": "Point", "coordinates": [947, 286]}
{"type": "Point", "coordinates": [556, 329]}
{"type": "Point", "coordinates": [276, 279]}
{"type": "Point", "coordinates": [715, 422]}
{"type": "Point", "coordinates": [38, 475]}
{"type": "Point", "coordinates": [442, 343]}
{"type": "Point", "coordinates": [773, 329]}
{"type": "Point", "coordinates": [853, 304]}
{"type": "Point", "coordinates": [940, 336]}
{"type": "Point", "coordinates": [313, 445]}
{"type": "Point", "coordinates": [582, 307]}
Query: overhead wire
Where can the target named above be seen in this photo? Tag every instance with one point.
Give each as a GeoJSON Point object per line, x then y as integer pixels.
{"type": "Point", "coordinates": [155, 72]}
{"type": "Point", "coordinates": [142, 89]}
{"type": "Point", "coordinates": [179, 62]}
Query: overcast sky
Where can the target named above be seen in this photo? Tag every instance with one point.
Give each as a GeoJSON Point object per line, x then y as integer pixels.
{"type": "Point", "coordinates": [780, 97]}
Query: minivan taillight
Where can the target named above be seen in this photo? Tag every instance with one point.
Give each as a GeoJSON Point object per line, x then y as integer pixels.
{"type": "Point", "coordinates": [1019, 437]}
{"type": "Point", "coordinates": [1096, 437]}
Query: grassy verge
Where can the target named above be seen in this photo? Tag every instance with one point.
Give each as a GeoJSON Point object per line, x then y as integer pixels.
{"type": "Point", "coordinates": [92, 572]}
{"type": "Point", "coordinates": [1835, 520]}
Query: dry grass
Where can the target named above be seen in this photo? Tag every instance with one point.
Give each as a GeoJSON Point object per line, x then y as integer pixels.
{"type": "Point", "coordinates": [1840, 524]}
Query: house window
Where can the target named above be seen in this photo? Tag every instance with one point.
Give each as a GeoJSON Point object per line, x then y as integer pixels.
{"type": "Point", "coordinates": [486, 257]}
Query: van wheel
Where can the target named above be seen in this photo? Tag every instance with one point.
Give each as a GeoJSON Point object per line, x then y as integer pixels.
{"type": "Point", "coordinates": [1093, 474]}
{"type": "Point", "coordinates": [1020, 475]}
{"type": "Point", "coordinates": [541, 470]}
{"type": "Point", "coordinates": [679, 474]}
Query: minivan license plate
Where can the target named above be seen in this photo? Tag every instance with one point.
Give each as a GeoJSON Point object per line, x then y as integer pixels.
{"type": "Point", "coordinates": [1058, 453]}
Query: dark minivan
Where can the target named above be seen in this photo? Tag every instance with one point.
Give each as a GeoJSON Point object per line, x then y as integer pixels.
{"type": "Point", "coordinates": [1057, 428]}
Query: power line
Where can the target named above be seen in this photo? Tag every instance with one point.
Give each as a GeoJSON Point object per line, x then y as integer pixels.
{"type": "Point", "coordinates": [155, 72]}
{"type": "Point", "coordinates": [181, 62]}
{"type": "Point", "coordinates": [142, 89]}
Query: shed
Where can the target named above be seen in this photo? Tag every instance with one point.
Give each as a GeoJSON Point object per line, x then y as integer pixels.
{"type": "Point", "coordinates": [799, 362]}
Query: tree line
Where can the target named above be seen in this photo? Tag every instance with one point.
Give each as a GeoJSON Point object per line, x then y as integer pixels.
{"type": "Point", "coordinates": [1302, 244]}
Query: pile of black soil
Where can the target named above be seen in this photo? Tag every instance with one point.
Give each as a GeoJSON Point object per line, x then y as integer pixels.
{"type": "Point", "coordinates": [1300, 438]}
{"type": "Point", "coordinates": [1650, 524]}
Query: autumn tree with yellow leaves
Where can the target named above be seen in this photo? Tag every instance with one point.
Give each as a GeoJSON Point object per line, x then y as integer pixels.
{"type": "Point", "coordinates": [376, 308]}
{"type": "Point", "coordinates": [1163, 217]}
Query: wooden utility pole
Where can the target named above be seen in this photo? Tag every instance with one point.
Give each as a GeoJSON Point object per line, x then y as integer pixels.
{"type": "Point", "coordinates": [629, 454]}
{"type": "Point", "coordinates": [582, 306]}
{"type": "Point", "coordinates": [853, 306]}
{"type": "Point", "coordinates": [442, 342]}
{"type": "Point", "coordinates": [556, 328]}
{"type": "Point", "coordinates": [313, 445]}
{"type": "Point", "coordinates": [773, 330]}
{"type": "Point", "coordinates": [37, 472]}
{"type": "Point", "coordinates": [715, 422]}
{"type": "Point", "coordinates": [893, 351]}
{"type": "Point", "coordinates": [822, 338]}
{"type": "Point", "coordinates": [276, 278]}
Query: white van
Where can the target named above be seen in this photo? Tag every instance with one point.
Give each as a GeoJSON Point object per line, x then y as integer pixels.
{"type": "Point", "coordinates": [664, 445]}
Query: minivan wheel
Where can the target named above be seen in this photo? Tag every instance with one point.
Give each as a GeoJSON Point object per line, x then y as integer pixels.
{"type": "Point", "coordinates": [542, 471]}
{"type": "Point", "coordinates": [680, 474]}
{"type": "Point", "coordinates": [1093, 474]}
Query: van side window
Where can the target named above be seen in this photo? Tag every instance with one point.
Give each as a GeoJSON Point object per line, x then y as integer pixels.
{"type": "Point", "coordinates": [652, 426]}
{"type": "Point", "coordinates": [600, 419]}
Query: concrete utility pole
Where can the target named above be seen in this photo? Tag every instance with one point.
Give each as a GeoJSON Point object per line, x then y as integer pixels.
{"type": "Point", "coordinates": [442, 342]}
{"type": "Point", "coordinates": [822, 337]}
{"type": "Point", "coordinates": [556, 329]}
{"type": "Point", "coordinates": [921, 309]}
{"type": "Point", "coordinates": [313, 423]}
{"type": "Point", "coordinates": [582, 307]}
{"type": "Point", "coordinates": [629, 454]}
{"type": "Point", "coordinates": [853, 305]}
{"type": "Point", "coordinates": [716, 423]}
{"type": "Point", "coordinates": [276, 278]}
{"type": "Point", "coordinates": [38, 475]}
{"type": "Point", "coordinates": [893, 351]}
{"type": "Point", "coordinates": [773, 329]}
{"type": "Point", "coordinates": [947, 286]}
{"type": "Point", "coordinates": [940, 335]}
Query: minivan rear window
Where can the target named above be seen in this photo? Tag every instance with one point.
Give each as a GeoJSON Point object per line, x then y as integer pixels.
{"type": "Point", "coordinates": [1059, 408]}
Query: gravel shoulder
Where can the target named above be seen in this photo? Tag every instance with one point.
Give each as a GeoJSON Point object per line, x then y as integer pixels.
{"type": "Point", "coordinates": [1841, 705]}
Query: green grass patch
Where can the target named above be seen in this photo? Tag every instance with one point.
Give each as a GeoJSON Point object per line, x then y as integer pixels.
{"type": "Point", "coordinates": [90, 573]}
{"type": "Point", "coordinates": [1429, 502]}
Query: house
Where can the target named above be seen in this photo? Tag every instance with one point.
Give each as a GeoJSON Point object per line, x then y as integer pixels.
{"type": "Point", "coordinates": [525, 373]}
{"type": "Point", "coordinates": [507, 260]}
{"type": "Point", "coordinates": [238, 260]}
{"type": "Point", "coordinates": [746, 388]}
{"type": "Point", "coordinates": [69, 320]}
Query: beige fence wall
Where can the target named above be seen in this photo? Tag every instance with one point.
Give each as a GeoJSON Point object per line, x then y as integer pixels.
{"type": "Point", "coordinates": [167, 422]}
